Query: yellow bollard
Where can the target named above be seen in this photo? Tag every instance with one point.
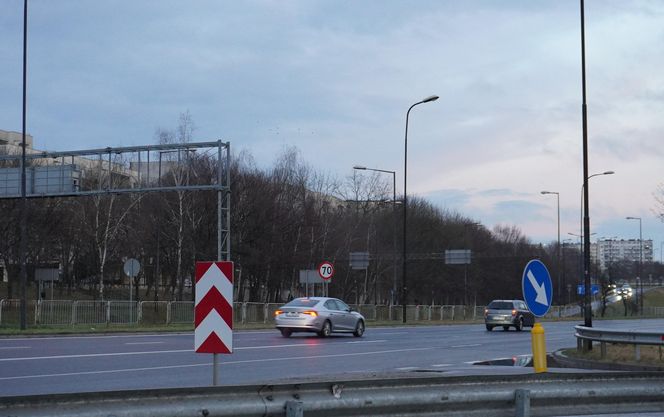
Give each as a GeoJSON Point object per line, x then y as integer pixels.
{"type": "Point", "coordinates": [539, 348]}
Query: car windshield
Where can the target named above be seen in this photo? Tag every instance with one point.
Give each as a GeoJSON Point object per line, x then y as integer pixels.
{"type": "Point", "coordinates": [500, 305]}
{"type": "Point", "coordinates": [302, 302]}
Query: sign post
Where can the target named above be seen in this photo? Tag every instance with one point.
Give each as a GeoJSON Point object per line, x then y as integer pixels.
{"type": "Point", "coordinates": [538, 294]}
{"type": "Point", "coordinates": [326, 271]}
{"type": "Point", "coordinates": [460, 257]}
{"type": "Point", "coordinates": [131, 268]}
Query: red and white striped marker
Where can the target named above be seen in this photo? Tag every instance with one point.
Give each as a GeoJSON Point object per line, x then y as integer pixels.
{"type": "Point", "coordinates": [213, 310]}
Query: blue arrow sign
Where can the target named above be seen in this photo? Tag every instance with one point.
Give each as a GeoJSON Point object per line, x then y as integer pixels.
{"type": "Point", "coordinates": [536, 288]}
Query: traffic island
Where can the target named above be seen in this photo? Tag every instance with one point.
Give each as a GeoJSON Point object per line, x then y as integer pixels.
{"type": "Point", "coordinates": [618, 358]}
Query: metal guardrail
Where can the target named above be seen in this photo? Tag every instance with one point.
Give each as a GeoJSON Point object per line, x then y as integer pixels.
{"type": "Point", "coordinates": [604, 336]}
{"type": "Point", "coordinates": [510, 395]}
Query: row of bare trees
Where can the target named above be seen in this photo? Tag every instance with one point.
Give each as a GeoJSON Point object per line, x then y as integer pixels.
{"type": "Point", "coordinates": [284, 219]}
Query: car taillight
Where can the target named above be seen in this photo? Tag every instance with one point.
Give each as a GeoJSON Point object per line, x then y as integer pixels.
{"type": "Point", "coordinates": [277, 312]}
{"type": "Point", "coordinates": [310, 313]}
{"type": "Point", "coordinates": [513, 313]}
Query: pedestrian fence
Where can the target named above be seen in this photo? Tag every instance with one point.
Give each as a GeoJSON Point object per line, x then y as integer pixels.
{"type": "Point", "coordinates": [473, 396]}
{"type": "Point", "coordinates": [116, 312]}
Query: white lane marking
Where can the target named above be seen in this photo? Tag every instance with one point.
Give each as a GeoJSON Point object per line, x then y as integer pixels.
{"type": "Point", "coordinates": [93, 355]}
{"type": "Point", "coordinates": [406, 368]}
{"type": "Point", "coordinates": [144, 343]}
{"type": "Point", "coordinates": [114, 336]}
{"type": "Point", "coordinates": [96, 355]}
{"type": "Point", "coordinates": [297, 358]}
{"type": "Point", "coordinates": [441, 365]}
{"type": "Point", "coordinates": [14, 347]}
{"type": "Point", "coordinates": [463, 346]}
{"type": "Point", "coordinates": [272, 346]}
{"type": "Point", "coordinates": [133, 335]}
{"type": "Point", "coordinates": [112, 371]}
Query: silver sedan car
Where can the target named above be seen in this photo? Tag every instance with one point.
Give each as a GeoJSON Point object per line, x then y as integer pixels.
{"type": "Point", "coordinates": [320, 315]}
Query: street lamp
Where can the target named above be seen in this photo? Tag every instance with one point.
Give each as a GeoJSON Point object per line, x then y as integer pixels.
{"type": "Point", "coordinates": [404, 287]}
{"type": "Point", "coordinates": [582, 189]}
{"type": "Point", "coordinates": [567, 286]}
{"type": "Point", "coordinates": [640, 262]}
{"type": "Point", "coordinates": [558, 203]}
{"type": "Point", "coordinates": [394, 216]}
{"type": "Point", "coordinates": [587, 310]}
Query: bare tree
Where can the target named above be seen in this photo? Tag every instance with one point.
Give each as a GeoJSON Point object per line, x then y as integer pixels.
{"type": "Point", "coordinates": [179, 174]}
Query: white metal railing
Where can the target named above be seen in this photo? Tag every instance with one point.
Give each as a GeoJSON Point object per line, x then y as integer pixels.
{"type": "Point", "coordinates": [116, 312]}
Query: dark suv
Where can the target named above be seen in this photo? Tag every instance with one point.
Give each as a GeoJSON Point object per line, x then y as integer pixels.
{"type": "Point", "coordinates": [508, 313]}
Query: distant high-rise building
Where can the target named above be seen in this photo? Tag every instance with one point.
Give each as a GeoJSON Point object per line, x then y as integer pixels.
{"type": "Point", "coordinates": [607, 251]}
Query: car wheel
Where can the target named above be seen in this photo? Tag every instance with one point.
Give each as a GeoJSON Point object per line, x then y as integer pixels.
{"type": "Point", "coordinates": [326, 330]}
{"type": "Point", "coordinates": [489, 327]}
{"type": "Point", "coordinates": [506, 328]}
{"type": "Point", "coordinates": [359, 329]}
{"type": "Point", "coordinates": [519, 324]}
{"type": "Point", "coordinates": [286, 332]}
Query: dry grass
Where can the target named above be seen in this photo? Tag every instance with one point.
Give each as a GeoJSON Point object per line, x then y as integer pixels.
{"type": "Point", "coordinates": [650, 355]}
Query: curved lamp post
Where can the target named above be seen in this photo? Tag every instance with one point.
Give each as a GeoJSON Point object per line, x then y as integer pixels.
{"type": "Point", "coordinates": [404, 287]}
{"type": "Point", "coordinates": [585, 233]}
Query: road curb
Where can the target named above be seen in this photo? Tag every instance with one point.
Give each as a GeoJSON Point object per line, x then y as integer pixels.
{"type": "Point", "coordinates": [565, 361]}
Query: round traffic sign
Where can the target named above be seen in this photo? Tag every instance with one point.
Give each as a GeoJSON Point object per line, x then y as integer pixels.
{"type": "Point", "coordinates": [536, 288]}
{"type": "Point", "coordinates": [326, 270]}
{"type": "Point", "coordinates": [132, 267]}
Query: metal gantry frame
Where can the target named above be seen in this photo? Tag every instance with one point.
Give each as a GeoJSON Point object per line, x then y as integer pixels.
{"type": "Point", "coordinates": [134, 169]}
{"type": "Point", "coordinates": [111, 166]}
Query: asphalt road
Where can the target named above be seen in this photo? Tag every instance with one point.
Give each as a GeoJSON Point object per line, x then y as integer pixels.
{"type": "Point", "coordinates": [44, 365]}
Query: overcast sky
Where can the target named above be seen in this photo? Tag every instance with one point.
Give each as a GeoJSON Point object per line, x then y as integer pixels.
{"type": "Point", "coordinates": [335, 79]}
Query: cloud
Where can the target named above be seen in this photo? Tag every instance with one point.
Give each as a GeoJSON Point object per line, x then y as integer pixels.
{"type": "Point", "coordinates": [335, 79]}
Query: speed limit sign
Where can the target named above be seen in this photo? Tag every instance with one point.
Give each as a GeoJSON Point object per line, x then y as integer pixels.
{"type": "Point", "coordinates": [326, 270]}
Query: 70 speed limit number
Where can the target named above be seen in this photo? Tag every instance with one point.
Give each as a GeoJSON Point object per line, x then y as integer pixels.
{"type": "Point", "coordinates": [326, 270]}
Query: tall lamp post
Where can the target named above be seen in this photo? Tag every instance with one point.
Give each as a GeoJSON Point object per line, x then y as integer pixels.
{"type": "Point", "coordinates": [587, 310]}
{"type": "Point", "coordinates": [23, 245]}
{"type": "Point", "coordinates": [404, 287]}
{"type": "Point", "coordinates": [639, 277]}
{"type": "Point", "coordinates": [559, 268]}
{"type": "Point", "coordinates": [394, 221]}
